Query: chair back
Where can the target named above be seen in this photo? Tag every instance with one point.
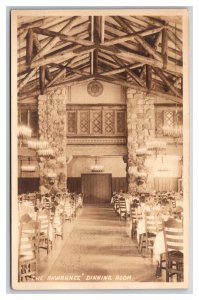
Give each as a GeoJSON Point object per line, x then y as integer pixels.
{"type": "Point", "coordinates": [133, 213]}
{"type": "Point", "coordinates": [152, 223]}
{"type": "Point", "coordinates": [173, 234]}
{"type": "Point", "coordinates": [29, 239]}
{"type": "Point", "coordinates": [44, 218]}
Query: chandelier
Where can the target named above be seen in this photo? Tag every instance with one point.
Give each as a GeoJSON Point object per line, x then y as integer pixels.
{"type": "Point", "coordinates": [96, 167]}
{"type": "Point", "coordinates": [24, 131]}
{"type": "Point", "coordinates": [37, 144]}
{"type": "Point", "coordinates": [48, 152]}
{"type": "Point", "coordinates": [28, 168]}
{"type": "Point", "coordinates": [176, 131]}
{"type": "Point", "coordinates": [156, 145]}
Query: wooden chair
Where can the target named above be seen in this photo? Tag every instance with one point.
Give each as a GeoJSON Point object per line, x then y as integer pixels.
{"type": "Point", "coordinates": [122, 208]}
{"type": "Point", "coordinates": [28, 250]}
{"type": "Point", "coordinates": [173, 234]}
{"type": "Point", "coordinates": [58, 223]}
{"type": "Point", "coordinates": [116, 205]}
{"type": "Point", "coordinates": [45, 241]}
{"type": "Point", "coordinates": [68, 212]}
{"type": "Point", "coordinates": [152, 226]}
{"type": "Point", "coordinates": [135, 217]}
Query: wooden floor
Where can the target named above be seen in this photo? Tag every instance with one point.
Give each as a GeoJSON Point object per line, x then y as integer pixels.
{"type": "Point", "coordinates": [97, 244]}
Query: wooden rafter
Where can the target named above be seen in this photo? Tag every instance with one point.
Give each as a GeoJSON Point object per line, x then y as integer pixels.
{"type": "Point", "coordinates": [120, 70]}
{"type": "Point", "coordinates": [129, 72]}
{"type": "Point", "coordinates": [139, 39]}
{"type": "Point", "coordinates": [61, 36]}
{"type": "Point", "coordinates": [165, 47]}
{"type": "Point", "coordinates": [142, 52]}
{"type": "Point", "coordinates": [139, 88]}
{"type": "Point", "coordinates": [132, 36]}
{"type": "Point", "coordinates": [168, 83]}
{"type": "Point", "coordinates": [55, 39]}
{"type": "Point", "coordinates": [62, 55]}
{"type": "Point", "coordinates": [176, 69]}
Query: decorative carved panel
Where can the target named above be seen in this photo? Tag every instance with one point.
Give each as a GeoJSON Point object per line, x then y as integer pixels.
{"type": "Point", "coordinates": [96, 141]}
{"type": "Point", "coordinates": [96, 123]}
{"type": "Point", "coordinates": [109, 122]}
{"type": "Point", "coordinates": [84, 122]}
{"type": "Point", "coordinates": [72, 122]}
{"type": "Point", "coordinates": [169, 118]}
{"type": "Point", "coordinates": [121, 122]}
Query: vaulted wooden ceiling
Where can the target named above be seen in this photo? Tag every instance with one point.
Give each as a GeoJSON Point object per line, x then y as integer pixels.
{"type": "Point", "coordinates": [141, 52]}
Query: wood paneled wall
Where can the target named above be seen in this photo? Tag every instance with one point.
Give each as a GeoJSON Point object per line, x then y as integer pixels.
{"type": "Point", "coordinates": [74, 184]}
{"type": "Point", "coordinates": [118, 183]}
{"type": "Point", "coordinates": [165, 184]}
{"type": "Point", "coordinates": [28, 185]}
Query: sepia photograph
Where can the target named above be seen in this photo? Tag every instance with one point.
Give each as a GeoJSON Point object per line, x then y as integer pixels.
{"type": "Point", "coordinates": [100, 149]}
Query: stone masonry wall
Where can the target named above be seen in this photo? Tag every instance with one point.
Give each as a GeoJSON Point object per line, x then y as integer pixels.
{"type": "Point", "coordinates": [52, 128]}
{"type": "Point", "coordinates": [140, 129]}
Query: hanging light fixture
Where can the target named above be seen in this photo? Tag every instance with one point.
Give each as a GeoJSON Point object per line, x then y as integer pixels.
{"type": "Point", "coordinates": [96, 167]}
{"type": "Point", "coordinates": [24, 131]}
{"type": "Point", "coordinates": [37, 144]}
{"type": "Point", "coordinates": [48, 152]}
{"type": "Point", "coordinates": [29, 167]}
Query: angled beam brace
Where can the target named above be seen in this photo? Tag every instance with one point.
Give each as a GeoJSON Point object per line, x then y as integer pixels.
{"type": "Point", "coordinates": [131, 36]}
{"type": "Point", "coordinates": [136, 87]}
{"type": "Point", "coordinates": [129, 72]}
{"type": "Point", "coordinates": [61, 36]}
{"type": "Point", "coordinates": [139, 39]}
{"type": "Point", "coordinates": [54, 40]}
{"type": "Point", "coordinates": [176, 69]}
{"type": "Point", "coordinates": [168, 83]}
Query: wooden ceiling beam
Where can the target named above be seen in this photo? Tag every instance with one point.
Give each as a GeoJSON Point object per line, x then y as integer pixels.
{"type": "Point", "coordinates": [139, 39]}
{"type": "Point", "coordinates": [77, 71]}
{"type": "Point", "coordinates": [148, 76]}
{"type": "Point", "coordinates": [42, 75]}
{"type": "Point", "coordinates": [172, 50]}
{"type": "Point", "coordinates": [176, 41]}
{"type": "Point", "coordinates": [62, 55]}
{"type": "Point", "coordinates": [155, 22]}
{"type": "Point", "coordinates": [97, 39]}
{"type": "Point", "coordinates": [129, 45]}
{"type": "Point", "coordinates": [62, 71]}
{"type": "Point", "coordinates": [139, 88]}
{"type": "Point", "coordinates": [56, 27]}
{"type": "Point", "coordinates": [55, 39]}
{"type": "Point", "coordinates": [164, 47]}
{"type": "Point", "coordinates": [120, 70]}
{"type": "Point", "coordinates": [168, 83]}
{"type": "Point", "coordinates": [128, 37]}
{"type": "Point", "coordinates": [128, 71]}
{"type": "Point", "coordinates": [77, 32]}
{"type": "Point", "coordinates": [29, 46]}
{"type": "Point", "coordinates": [102, 27]}
{"type": "Point", "coordinates": [176, 69]}
{"type": "Point", "coordinates": [26, 79]}
{"type": "Point", "coordinates": [63, 37]}
{"type": "Point", "coordinates": [79, 80]}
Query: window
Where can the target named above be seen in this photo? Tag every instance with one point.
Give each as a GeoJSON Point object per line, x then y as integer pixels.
{"type": "Point", "coordinates": [30, 118]}
{"type": "Point", "coordinates": [168, 117]}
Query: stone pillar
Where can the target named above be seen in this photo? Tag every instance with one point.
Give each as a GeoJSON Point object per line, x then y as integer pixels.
{"type": "Point", "coordinates": [52, 128]}
{"type": "Point", "coordinates": [140, 128]}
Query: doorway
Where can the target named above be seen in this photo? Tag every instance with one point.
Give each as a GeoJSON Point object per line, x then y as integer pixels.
{"type": "Point", "coordinates": [96, 187]}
